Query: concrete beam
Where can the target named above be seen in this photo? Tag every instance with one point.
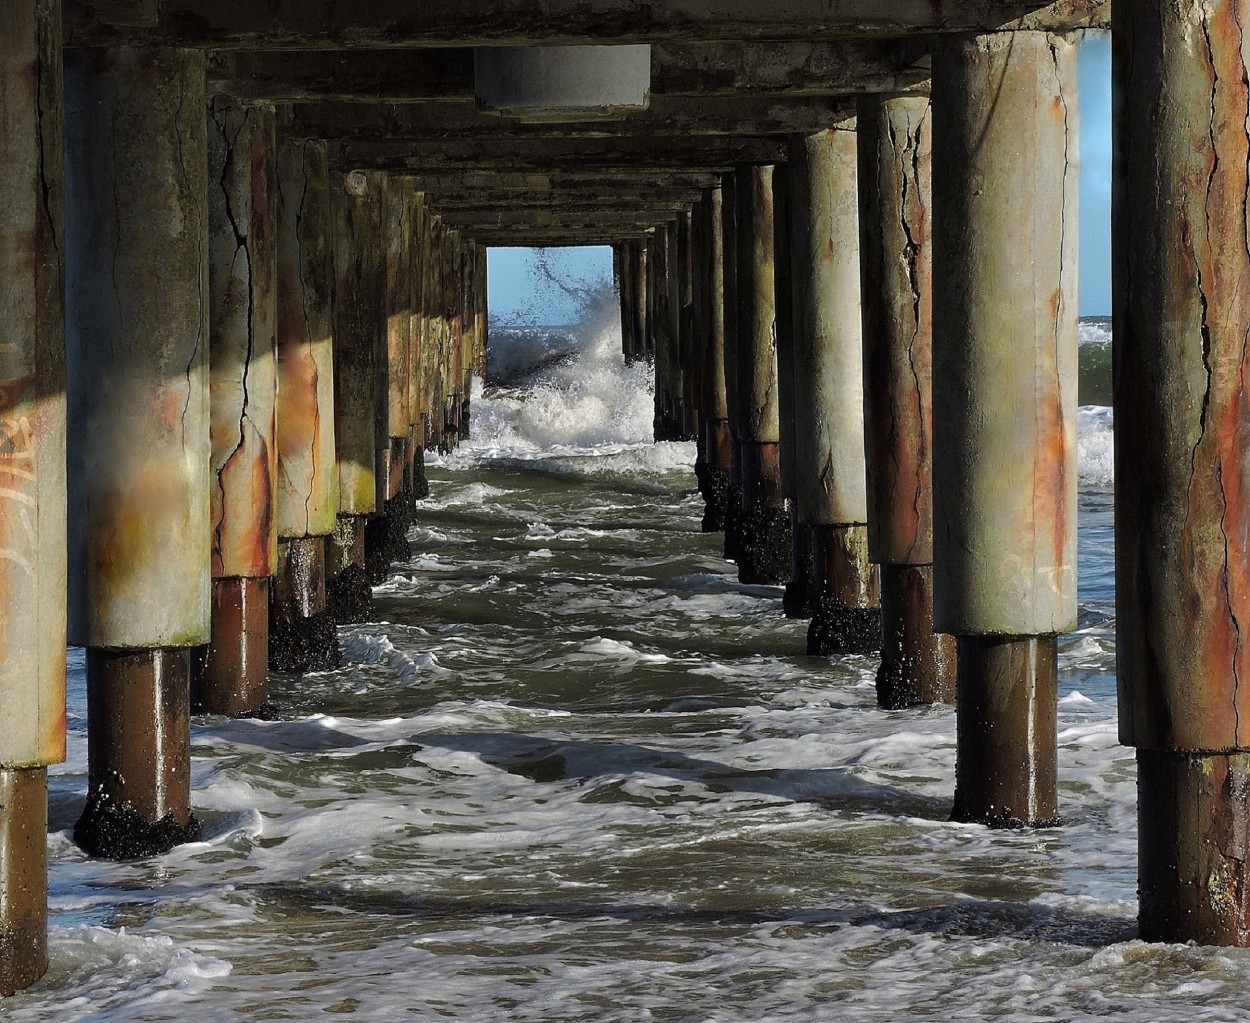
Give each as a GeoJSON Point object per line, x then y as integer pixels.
{"type": "Point", "coordinates": [607, 180]}
{"type": "Point", "coordinates": [549, 155]}
{"type": "Point", "coordinates": [667, 115]}
{"type": "Point", "coordinates": [808, 68]}
{"type": "Point", "coordinates": [574, 220]}
{"type": "Point", "coordinates": [308, 24]}
{"type": "Point", "coordinates": [591, 199]}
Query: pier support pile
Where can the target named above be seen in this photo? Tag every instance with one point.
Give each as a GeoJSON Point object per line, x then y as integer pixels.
{"type": "Point", "coordinates": [32, 474]}
{"type": "Point", "coordinates": [1004, 392]}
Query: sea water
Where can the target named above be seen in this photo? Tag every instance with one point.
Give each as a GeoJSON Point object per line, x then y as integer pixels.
{"type": "Point", "coordinates": [576, 771]}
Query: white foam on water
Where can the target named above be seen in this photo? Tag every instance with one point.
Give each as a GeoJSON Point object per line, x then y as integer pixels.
{"type": "Point", "coordinates": [1095, 445]}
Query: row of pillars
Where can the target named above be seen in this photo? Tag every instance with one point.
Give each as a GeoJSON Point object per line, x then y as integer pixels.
{"type": "Point", "coordinates": [221, 362]}
{"type": "Point", "coordinates": [877, 356]}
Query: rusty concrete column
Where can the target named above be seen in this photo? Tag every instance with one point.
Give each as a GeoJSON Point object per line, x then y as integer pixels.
{"type": "Point", "coordinates": [434, 333]}
{"type": "Point", "coordinates": [1004, 396]}
{"type": "Point", "coordinates": [32, 474]}
{"type": "Point", "coordinates": [454, 303]}
{"type": "Point", "coordinates": [420, 256]}
{"type": "Point", "coordinates": [231, 675]}
{"type": "Point", "coordinates": [359, 340]}
{"type": "Point", "coordinates": [687, 417]}
{"type": "Point", "coordinates": [138, 407]}
{"type": "Point", "coordinates": [666, 288]}
{"type": "Point", "coordinates": [1181, 275]}
{"type": "Point", "coordinates": [729, 295]}
{"type": "Point", "coordinates": [631, 332]}
{"type": "Point", "coordinates": [386, 531]}
{"type": "Point", "coordinates": [302, 636]}
{"type": "Point", "coordinates": [829, 399]}
{"type": "Point", "coordinates": [764, 552]}
{"type": "Point", "coordinates": [717, 444]}
{"type": "Point", "coordinates": [644, 348]}
{"type": "Point", "coordinates": [896, 254]}
{"type": "Point", "coordinates": [795, 602]}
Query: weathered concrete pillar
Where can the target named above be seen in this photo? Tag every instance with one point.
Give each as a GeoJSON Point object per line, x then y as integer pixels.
{"type": "Point", "coordinates": [386, 532]}
{"type": "Point", "coordinates": [896, 258]}
{"type": "Point", "coordinates": [301, 633]}
{"type": "Point", "coordinates": [1181, 274]}
{"type": "Point", "coordinates": [32, 474]}
{"type": "Point", "coordinates": [644, 349]}
{"type": "Point", "coordinates": [421, 258]}
{"type": "Point", "coordinates": [764, 553]}
{"type": "Point", "coordinates": [729, 295]}
{"type": "Point", "coordinates": [231, 675]}
{"type": "Point", "coordinates": [717, 444]}
{"type": "Point", "coordinates": [1004, 396]}
{"type": "Point", "coordinates": [453, 301]}
{"type": "Point", "coordinates": [795, 602]}
{"type": "Point", "coordinates": [667, 319]}
{"type": "Point", "coordinates": [359, 342]}
{"type": "Point", "coordinates": [687, 415]}
{"type": "Point", "coordinates": [138, 406]}
{"type": "Point", "coordinates": [829, 399]}
{"type": "Point", "coordinates": [631, 327]}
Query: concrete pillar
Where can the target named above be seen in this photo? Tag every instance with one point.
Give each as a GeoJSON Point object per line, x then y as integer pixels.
{"type": "Point", "coordinates": [32, 475]}
{"type": "Point", "coordinates": [453, 299]}
{"type": "Point", "coordinates": [668, 377]}
{"type": "Point", "coordinates": [1004, 396]}
{"type": "Point", "coordinates": [687, 360]}
{"type": "Point", "coordinates": [764, 553]}
{"type": "Point", "coordinates": [795, 602]}
{"type": "Point", "coordinates": [359, 341]}
{"type": "Point", "coordinates": [729, 295]}
{"type": "Point", "coordinates": [643, 349]}
{"type": "Point", "coordinates": [138, 409]}
{"type": "Point", "coordinates": [1181, 274]}
{"type": "Point", "coordinates": [301, 633]}
{"type": "Point", "coordinates": [231, 675]}
{"type": "Point", "coordinates": [896, 258]}
{"type": "Point", "coordinates": [631, 327]}
{"type": "Point", "coordinates": [386, 531]}
{"type": "Point", "coordinates": [829, 399]}
{"type": "Point", "coordinates": [717, 444]}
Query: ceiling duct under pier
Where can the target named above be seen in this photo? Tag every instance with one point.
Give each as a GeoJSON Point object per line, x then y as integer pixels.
{"type": "Point", "coordinates": [562, 83]}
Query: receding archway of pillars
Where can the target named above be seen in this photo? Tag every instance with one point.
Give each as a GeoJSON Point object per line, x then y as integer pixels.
{"type": "Point", "coordinates": [207, 509]}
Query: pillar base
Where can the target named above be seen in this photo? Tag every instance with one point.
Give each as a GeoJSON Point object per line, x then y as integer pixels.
{"type": "Point", "coordinates": [797, 602]}
{"type": "Point", "coordinates": [23, 877]}
{"type": "Point", "coordinates": [1006, 767]}
{"type": "Point", "coordinates": [716, 486]}
{"type": "Point", "coordinates": [420, 484]}
{"type": "Point", "coordinates": [765, 552]}
{"type": "Point", "coordinates": [302, 635]}
{"type": "Point", "coordinates": [112, 832]}
{"type": "Point", "coordinates": [386, 538]}
{"type": "Point", "coordinates": [305, 644]}
{"type": "Point", "coordinates": [917, 664]}
{"type": "Point", "coordinates": [231, 675]}
{"type": "Point", "coordinates": [349, 597]}
{"type": "Point", "coordinates": [845, 593]}
{"type": "Point", "coordinates": [1193, 883]}
{"type": "Point", "coordinates": [464, 420]}
{"type": "Point", "coordinates": [138, 754]}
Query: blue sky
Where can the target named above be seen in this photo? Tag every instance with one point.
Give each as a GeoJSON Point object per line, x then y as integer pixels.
{"type": "Point", "coordinates": [512, 283]}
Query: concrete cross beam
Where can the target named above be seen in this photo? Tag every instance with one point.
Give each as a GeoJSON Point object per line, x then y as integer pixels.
{"type": "Point", "coordinates": [549, 155]}
{"type": "Point", "coordinates": [808, 68]}
{"type": "Point", "coordinates": [369, 24]}
{"type": "Point", "coordinates": [608, 180]}
{"type": "Point", "coordinates": [667, 115]}
{"type": "Point", "coordinates": [678, 199]}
